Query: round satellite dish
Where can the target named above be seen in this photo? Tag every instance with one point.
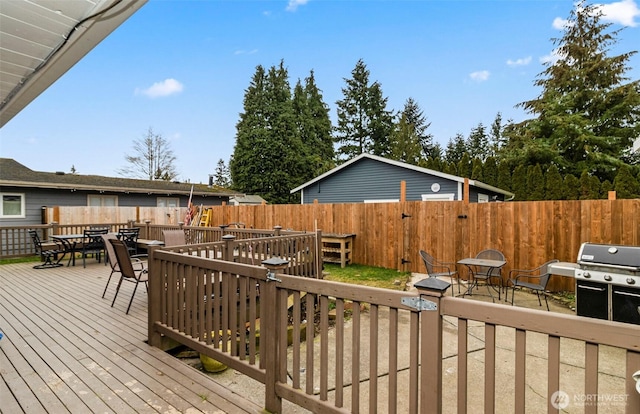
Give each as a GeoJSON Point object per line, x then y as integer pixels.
{"type": "Point", "coordinates": [435, 187]}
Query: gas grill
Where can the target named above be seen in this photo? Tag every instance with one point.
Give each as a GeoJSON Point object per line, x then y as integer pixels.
{"type": "Point", "coordinates": [608, 282]}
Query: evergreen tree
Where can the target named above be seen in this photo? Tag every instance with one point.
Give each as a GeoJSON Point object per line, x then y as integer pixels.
{"type": "Point", "coordinates": [456, 148]}
{"type": "Point", "coordinates": [605, 188]}
{"type": "Point", "coordinates": [535, 183]}
{"type": "Point", "coordinates": [478, 143]}
{"type": "Point", "coordinates": [476, 170]}
{"type": "Point", "coordinates": [415, 116]}
{"type": "Point", "coordinates": [553, 184]}
{"type": "Point", "coordinates": [221, 176]}
{"type": "Point", "coordinates": [504, 176]}
{"type": "Point", "coordinates": [625, 185]}
{"type": "Point", "coordinates": [589, 186]}
{"type": "Point", "coordinates": [571, 187]}
{"type": "Point", "coordinates": [587, 116]}
{"type": "Point", "coordinates": [266, 158]}
{"type": "Point", "coordinates": [364, 124]}
{"type": "Point", "coordinates": [405, 143]}
{"type": "Point", "coordinates": [313, 127]}
{"type": "Point", "coordinates": [450, 168]}
{"type": "Point", "coordinates": [519, 183]}
{"type": "Point", "coordinates": [465, 166]}
{"type": "Point", "coordinates": [495, 135]}
{"type": "Point", "coordinates": [490, 172]}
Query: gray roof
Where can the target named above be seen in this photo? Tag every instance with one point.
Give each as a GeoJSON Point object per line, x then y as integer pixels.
{"type": "Point", "coordinates": [12, 173]}
{"type": "Point", "coordinates": [473, 183]}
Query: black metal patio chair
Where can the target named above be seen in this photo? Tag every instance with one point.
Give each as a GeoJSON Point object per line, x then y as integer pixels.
{"type": "Point", "coordinates": [51, 252]}
{"type": "Point", "coordinates": [436, 268]}
{"type": "Point", "coordinates": [535, 280]}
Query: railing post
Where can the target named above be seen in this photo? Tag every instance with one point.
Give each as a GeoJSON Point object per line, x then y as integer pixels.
{"type": "Point", "coordinates": [154, 312]}
{"type": "Point", "coordinates": [55, 227]}
{"type": "Point", "coordinates": [318, 255]}
{"type": "Point", "coordinates": [277, 230]}
{"type": "Point", "coordinates": [431, 290]}
{"type": "Point", "coordinates": [147, 234]}
{"type": "Point", "coordinates": [131, 223]}
{"type": "Point", "coordinates": [271, 335]}
{"type": "Point", "coordinates": [227, 252]}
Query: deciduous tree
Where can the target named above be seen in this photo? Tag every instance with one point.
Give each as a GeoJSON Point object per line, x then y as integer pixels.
{"type": "Point", "coordinates": [153, 159]}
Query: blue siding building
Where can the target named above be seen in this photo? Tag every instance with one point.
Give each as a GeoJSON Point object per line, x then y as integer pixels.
{"type": "Point", "coordinates": [370, 178]}
{"type": "Point", "coordinates": [24, 192]}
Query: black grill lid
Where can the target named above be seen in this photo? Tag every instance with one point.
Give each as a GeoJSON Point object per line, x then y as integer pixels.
{"type": "Point", "coordinates": [610, 254]}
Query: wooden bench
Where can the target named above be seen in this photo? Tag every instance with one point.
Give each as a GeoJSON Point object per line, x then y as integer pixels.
{"type": "Point", "coordinates": [337, 248]}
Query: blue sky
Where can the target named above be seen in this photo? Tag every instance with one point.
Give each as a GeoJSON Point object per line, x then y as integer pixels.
{"type": "Point", "coordinates": [181, 68]}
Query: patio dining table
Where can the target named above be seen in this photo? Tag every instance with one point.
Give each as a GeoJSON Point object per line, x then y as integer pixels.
{"type": "Point", "coordinates": [494, 272]}
{"type": "Point", "coordinates": [70, 243]}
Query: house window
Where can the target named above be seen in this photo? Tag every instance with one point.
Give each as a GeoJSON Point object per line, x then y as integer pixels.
{"type": "Point", "coordinates": [438, 197]}
{"type": "Point", "coordinates": [391, 200]}
{"type": "Point", "coordinates": [12, 206]}
{"type": "Point", "coordinates": [483, 198]}
{"type": "Point", "coordinates": [168, 202]}
{"type": "Point", "coordinates": [102, 200]}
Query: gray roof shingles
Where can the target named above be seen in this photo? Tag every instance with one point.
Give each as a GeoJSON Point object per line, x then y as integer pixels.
{"type": "Point", "coordinates": [14, 173]}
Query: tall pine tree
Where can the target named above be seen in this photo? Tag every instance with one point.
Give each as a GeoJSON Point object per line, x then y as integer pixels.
{"type": "Point", "coordinates": [587, 116]}
{"type": "Point", "coordinates": [266, 158]}
{"type": "Point", "coordinates": [364, 123]}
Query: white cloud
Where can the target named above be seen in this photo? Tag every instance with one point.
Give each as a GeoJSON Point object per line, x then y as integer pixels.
{"type": "Point", "coordinates": [559, 23]}
{"type": "Point", "coordinates": [245, 52]}
{"type": "Point", "coordinates": [623, 12]}
{"type": "Point", "coordinates": [165, 88]}
{"type": "Point", "coordinates": [519, 62]}
{"type": "Point", "coordinates": [479, 76]}
{"type": "Point", "coordinates": [293, 4]}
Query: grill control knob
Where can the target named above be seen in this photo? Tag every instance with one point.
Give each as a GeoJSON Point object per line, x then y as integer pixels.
{"type": "Point", "coordinates": [608, 278]}
{"type": "Point", "coordinates": [631, 281]}
{"type": "Point", "coordinates": [586, 275]}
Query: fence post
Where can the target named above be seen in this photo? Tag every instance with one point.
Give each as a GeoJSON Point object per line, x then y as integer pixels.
{"type": "Point", "coordinates": [270, 334]}
{"type": "Point", "coordinates": [431, 292]}
{"type": "Point", "coordinates": [227, 252]}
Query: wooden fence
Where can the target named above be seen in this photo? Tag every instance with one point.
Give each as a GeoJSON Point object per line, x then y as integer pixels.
{"type": "Point", "coordinates": [390, 234]}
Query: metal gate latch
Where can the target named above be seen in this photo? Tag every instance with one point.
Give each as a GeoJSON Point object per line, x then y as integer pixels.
{"type": "Point", "coordinates": [419, 304]}
{"type": "Point", "coordinates": [271, 277]}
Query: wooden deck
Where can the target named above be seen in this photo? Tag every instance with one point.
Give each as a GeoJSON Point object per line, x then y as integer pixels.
{"type": "Point", "coordinates": [65, 350]}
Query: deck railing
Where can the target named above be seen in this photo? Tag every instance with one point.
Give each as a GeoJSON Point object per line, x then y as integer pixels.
{"type": "Point", "coordinates": [15, 240]}
{"type": "Point", "coordinates": [213, 307]}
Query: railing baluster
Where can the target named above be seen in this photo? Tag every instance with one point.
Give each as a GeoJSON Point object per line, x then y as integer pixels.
{"type": "Point", "coordinates": [520, 369]}
{"type": "Point", "coordinates": [339, 352]}
{"type": "Point", "coordinates": [324, 347]}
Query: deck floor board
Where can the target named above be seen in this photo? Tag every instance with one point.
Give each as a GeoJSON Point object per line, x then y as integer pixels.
{"type": "Point", "coordinates": [67, 350]}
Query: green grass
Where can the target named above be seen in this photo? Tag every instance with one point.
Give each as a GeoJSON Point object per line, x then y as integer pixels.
{"type": "Point", "coordinates": [367, 275]}
{"type": "Point", "coordinates": [27, 259]}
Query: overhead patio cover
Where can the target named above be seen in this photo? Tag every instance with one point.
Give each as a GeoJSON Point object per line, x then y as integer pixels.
{"type": "Point", "coordinates": [40, 40]}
